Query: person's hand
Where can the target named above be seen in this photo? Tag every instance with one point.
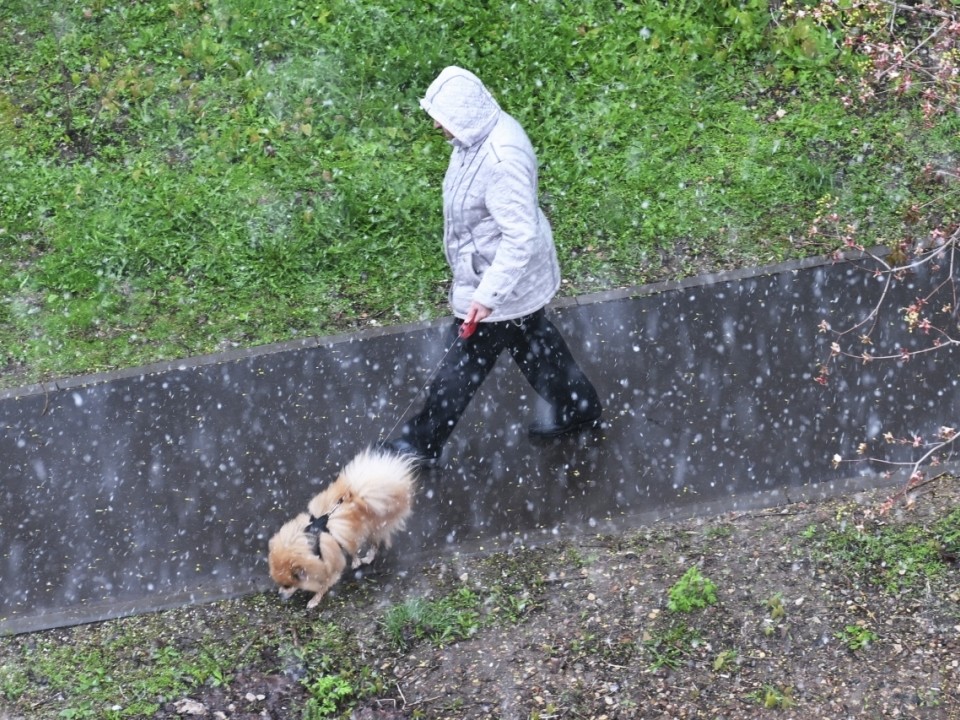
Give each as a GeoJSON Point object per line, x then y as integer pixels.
{"type": "Point", "coordinates": [477, 313]}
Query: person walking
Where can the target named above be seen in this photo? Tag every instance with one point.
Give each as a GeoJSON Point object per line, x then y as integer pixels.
{"type": "Point", "coordinates": [500, 249]}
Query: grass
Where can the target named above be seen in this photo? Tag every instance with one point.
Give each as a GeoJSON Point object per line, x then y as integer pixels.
{"type": "Point", "coordinates": [186, 177]}
{"type": "Point", "coordinates": [441, 622]}
{"type": "Point", "coordinates": [669, 647]}
{"type": "Point", "coordinates": [95, 674]}
{"type": "Point", "coordinates": [895, 560]}
{"type": "Point", "coordinates": [123, 669]}
{"type": "Point", "coordinates": [510, 593]}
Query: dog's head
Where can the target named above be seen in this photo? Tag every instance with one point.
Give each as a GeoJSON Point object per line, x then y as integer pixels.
{"type": "Point", "coordinates": [301, 560]}
{"type": "Point", "coordinates": [287, 569]}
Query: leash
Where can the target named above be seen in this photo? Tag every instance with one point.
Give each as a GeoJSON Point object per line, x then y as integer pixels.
{"type": "Point", "coordinates": [463, 333]}
{"type": "Point", "coordinates": [319, 524]}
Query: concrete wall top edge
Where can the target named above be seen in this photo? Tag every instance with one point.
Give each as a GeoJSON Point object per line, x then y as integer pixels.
{"type": "Point", "coordinates": [327, 340]}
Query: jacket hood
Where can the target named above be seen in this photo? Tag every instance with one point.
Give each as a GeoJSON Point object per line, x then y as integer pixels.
{"type": "Point", "coordinates": [458, 100]}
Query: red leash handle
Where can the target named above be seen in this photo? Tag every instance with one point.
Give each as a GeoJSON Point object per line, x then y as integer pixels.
{"type": "Point", "coordinates": [466, 330]}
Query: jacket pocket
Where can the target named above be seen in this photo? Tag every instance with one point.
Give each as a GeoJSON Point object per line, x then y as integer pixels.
{"type": "Point", "coordinates": [464, 273]}
{"type": "Point", "coordinates": [478, 264]}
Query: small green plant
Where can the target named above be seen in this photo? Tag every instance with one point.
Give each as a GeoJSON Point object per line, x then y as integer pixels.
{"type": "Point", "coordinates": [691, 592]}
{"type": "Point", "coordinates": [775, 607]}
{"type": "Point", "coordinates": [511, 608]}
{"type": "Point", "coordinates": [327, 694]}
{"type": "Point", "coordinates": [776, 612]}
{"type": "Point", "coordinates": [930, 697]}
{"type": "Point", "coordinates": [725, 660]}
{"type": "Point", "coordinates": [774, 698]}
{"type": "Point", "coordinates": [857, 637]}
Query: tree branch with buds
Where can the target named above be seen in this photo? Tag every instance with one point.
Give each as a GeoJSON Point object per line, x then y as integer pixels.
{"type": "Point", "coordinates": [916, 61]}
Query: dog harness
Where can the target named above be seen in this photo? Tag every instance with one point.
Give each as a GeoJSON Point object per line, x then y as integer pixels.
{"type": "Point", "coordinates": [318, 526]}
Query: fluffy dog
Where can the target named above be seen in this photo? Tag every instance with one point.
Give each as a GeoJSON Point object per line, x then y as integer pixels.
{"type": "Point", "coordinates": [369, 501]}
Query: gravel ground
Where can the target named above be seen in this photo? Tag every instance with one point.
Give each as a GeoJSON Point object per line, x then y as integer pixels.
{"type": "Point", "coordinates": [601, 642]}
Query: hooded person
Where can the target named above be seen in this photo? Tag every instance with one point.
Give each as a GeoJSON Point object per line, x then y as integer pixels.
{"type": "Point", "coordinates": [499, 246]}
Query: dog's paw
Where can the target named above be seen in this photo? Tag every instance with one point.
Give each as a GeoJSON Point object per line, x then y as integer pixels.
{"type": "Point", "coordinates": [365, 559]}
{"type": "Point", "coordinates": [314, 601]}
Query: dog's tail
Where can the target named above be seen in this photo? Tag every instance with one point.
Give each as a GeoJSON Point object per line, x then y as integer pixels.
{"type": "Point", "coordinates": [381, 479]}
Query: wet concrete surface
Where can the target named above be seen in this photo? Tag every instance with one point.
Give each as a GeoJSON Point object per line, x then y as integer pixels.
{"type": "Point", "coordinates": [153, 488]}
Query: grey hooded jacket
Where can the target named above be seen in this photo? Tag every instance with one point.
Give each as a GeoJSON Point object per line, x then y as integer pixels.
{"type": "Point", "coordinates": [496, 238]}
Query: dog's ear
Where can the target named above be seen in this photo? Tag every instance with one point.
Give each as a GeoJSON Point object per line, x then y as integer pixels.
{"type": "Point", "coordinates": [299, 573]}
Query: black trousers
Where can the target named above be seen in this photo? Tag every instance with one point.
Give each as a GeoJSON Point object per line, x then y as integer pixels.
{"type": "Point", "coordinates": [538, 349]}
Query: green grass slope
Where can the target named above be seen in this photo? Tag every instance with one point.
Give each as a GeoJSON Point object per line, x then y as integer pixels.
{"type": "Point", "coordinates": [178, 178]}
